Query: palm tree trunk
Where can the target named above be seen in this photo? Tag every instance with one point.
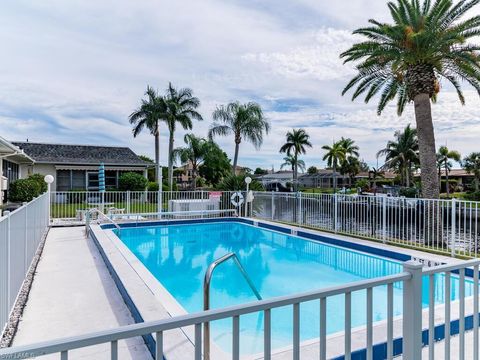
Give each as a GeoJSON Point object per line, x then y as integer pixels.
{"type": "Point", "coordinates": [407, 176]}
{"type": "Point", "coordinates": [446, 178]}
{"type": "Point", "coordinates": [426, 144]}
{"type": "Point", "coordinates": [295, 173]}
{"type": "Point", "coordinates": [235, 157]}
{"type": "Point", "coordinates": [170, 160]}
{"type": "Point", "coordinates": [334, 177]}
{"type": "Point", "coordinates": [157, 156]}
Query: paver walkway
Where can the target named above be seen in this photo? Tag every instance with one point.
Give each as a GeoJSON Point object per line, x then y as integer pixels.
{"type": "Point", "coordinates": [72, 294]}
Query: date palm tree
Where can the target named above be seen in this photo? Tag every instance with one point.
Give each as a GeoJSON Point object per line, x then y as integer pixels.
{"type": "Point", "coordinates": [148, 116]}
{"type": "Point", "coordinates": [444, 156]}
{"type": "Point", "coordinates": [406, 59]}
{"type": "Point", "coordinates": [472, 165]}
{"type": "Point", "coordinates": [334, 156]}
{"type": "Point", "coordinates": [181, 108]}
{"type": "Point", "coordinates": [297, 141]}
{"type": "Point", "coordinates": [194, 154]}
{"type": "Point", "coordinates": [244, 121]}
{"type": "Point", "coordinates": [402, 153]}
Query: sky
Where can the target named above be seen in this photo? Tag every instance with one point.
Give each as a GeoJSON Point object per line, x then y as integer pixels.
{"type": "Point", "coordinates": [73, 71]}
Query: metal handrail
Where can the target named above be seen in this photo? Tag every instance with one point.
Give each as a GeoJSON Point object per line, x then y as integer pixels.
{"type": "Point", "coordinates": [206, 294]}
{"type": "Point", "coordinates": [95, 210]}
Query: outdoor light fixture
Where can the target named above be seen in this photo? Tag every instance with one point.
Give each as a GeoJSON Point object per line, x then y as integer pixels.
{"type": "Point", "coordinates": [248, 180]}
{"type": "Point", "coordinates": [48, 179]}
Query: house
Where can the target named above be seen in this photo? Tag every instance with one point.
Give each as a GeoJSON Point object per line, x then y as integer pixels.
{"type": "Point", "coordinates": [12, 159]}
{"type": "Point", "coordinates": [323, 179]}
{"type": "Point", "coordinates": [75, 167]}
{"type": "Point", "coordinates": [280, 180]}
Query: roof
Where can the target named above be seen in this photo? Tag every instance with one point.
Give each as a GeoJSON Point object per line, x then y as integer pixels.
{"type": "Point", "coordinates": [11, 152]}
{"type": "Point", "coordinates": [80, 154]}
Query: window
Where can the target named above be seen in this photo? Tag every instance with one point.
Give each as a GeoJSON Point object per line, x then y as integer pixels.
{"type": "Point", "coordinates": [110, 179]}
{"type": "Point", "coordinates": [92, 181]}
{"type": "Point", "coordinates": [10, 170]}
{"type": "Point", "coordinates": [63, 180]}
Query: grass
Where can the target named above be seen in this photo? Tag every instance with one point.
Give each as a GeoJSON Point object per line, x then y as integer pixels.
{"type": "Point", "coordinates": [70, 210]}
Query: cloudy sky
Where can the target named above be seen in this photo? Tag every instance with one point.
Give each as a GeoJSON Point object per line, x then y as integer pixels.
{"type": "Point", "coordinates": [72, 72]}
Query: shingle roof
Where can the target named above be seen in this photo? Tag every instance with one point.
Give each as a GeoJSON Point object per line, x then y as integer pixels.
{"type": "Point", "coordinates": [80, 154]}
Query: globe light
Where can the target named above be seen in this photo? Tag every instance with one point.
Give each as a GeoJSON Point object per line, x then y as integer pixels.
{"type": "Point", "coordinates": [248, 180]}
{"type": "Point", "coordinates": [49, 179]}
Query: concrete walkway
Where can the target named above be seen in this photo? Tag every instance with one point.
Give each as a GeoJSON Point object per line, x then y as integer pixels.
{"type": "Point", "coordinates": [72, 294]}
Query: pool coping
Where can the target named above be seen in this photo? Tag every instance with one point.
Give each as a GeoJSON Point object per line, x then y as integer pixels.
{"type": "Point", "coordinates": [142, 283]}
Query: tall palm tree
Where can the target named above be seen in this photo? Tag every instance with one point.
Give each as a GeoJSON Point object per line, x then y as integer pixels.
{"type": "Point", "coordinates": [297, 141]}
{"type": "Point", "coordinates": [334, 156]}
{"type": "Point", "coordinates": [244, 121]}
{"type": "Point", "coordinates": [194, 154]}
{"type": "Point", "coordinates": [402, 153]}
{"type": "Point", "coordinates": [407, 59]}
{"type": "Point", "coordinates": [350, 148]}
{"type": "Point", "coordinates": [181, 108]}
{"type": "Point", "coordinates": [444, 156]}
{"type": "Point", "coordinates": [148, 115]}
{"type": "Point", "coordinates": [472, 165]}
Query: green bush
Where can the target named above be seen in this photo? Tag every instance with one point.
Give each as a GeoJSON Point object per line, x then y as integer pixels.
{"type": "Point", "coordinates": [40, 179]}
{"type": "Point", "coordinates": [132, 181]}
{"type": "Point", "coordinates": [408, 192]}
{"type": "Point", "coordinates": [24, 190]}
{"type": "Point", "coordinates": [473, 196]}
{"type": "Point", "coordinates": [237, 182]}
{"type": "Point", "coordinates": [363, 184]}
{"type": "Point", "coordinates": [152, 186]}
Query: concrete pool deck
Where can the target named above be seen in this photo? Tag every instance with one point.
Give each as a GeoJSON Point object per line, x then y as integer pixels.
{"type": "Point", "coordinates": [72, 294]}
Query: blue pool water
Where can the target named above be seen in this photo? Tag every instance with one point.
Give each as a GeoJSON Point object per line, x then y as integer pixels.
{"type": "Point", "coordinates": [278, 264]}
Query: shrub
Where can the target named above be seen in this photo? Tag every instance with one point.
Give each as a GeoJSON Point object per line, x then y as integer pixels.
{"type": "Point", "coordinates": [473, 196]}
{"type": "Point", "coordinates": [152, 186]}
{"type": "Point", "coordinates": [408, 192]}
{"type": "Point", "coordinates": [40, 179]}
{"type": "Point", "coordinates": [24, 190]}
{"type": "Point", "coordinates": [237, 182]}
{"type": "Point", "coordinates": [363, 184]}
{"type": "Point", "coordinates": [132, 181]}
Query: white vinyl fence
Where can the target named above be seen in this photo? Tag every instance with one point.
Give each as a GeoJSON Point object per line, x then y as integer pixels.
{"type": "Point", "coordinates": [444, 225]}
{"type": "Point", "coordinates": [415, 321]}
{"type": "Point", "coordinates": [20, 234]}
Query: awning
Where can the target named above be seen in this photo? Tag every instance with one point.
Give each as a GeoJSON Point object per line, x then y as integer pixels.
{"type": "Point", "coordinates": [10, 152]}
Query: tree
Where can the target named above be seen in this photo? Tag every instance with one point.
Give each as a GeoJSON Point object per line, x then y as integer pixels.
{"type": "Point", "coordinates": [244, 121]}
{"type": "Point", "coordinates": [148, 115]}
{"type": "Point", "coordinates": [407, 59]}
{"type": "Point", "coordinates": [216, 164]}
{"type": "Point", "coordinates": [292, 163]}
{"type": "Point", "coordinates": [132, 181]}
{"type": "Point", "coordinates": [443, 157]}
{"type": "Point", "coordinates": [402, 153]}
{"type": "Point", "coordinates": [334, 156]}
{"type": "Point", "coordinates": [260, 171]}
{"type": "Point", "coordinates": [181, 108]}
{"type": "Point", "coordinates": [472, 165]}
{"type": "Point", "coordinates": [194, 154]}
{"type": "Point", "coordinates": [296, 143]}
{"type": "Point", "coordinates": [350, 148]}
{"type": "Point", "coordinates": [375, 174]}
{"type": "Point", "coordinates": [237, 183]}
{"type": "Point", "coordinates": [350, 166]}
{"type": "Point", "coordinates": [312, 170]}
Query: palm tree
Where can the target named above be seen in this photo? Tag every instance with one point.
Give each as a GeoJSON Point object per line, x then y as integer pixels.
{"type": "Point", "coordinates": [472, 165]}
{"type": "Point", "coordinates": [334, 156]}
{"type": "Point", "coordinates": [149, 115]}
{"type": "Point", "coordinates": [244, 121]}
{"type": "Point", "coordinates": [350, 148]}
{"type": "Point", "coordinates": [375, 174]}
{"type": "Point", "coordinates": [443, 157]}
{"type": "Point", "coordinates": [402, 153]}
{"type": "Point", "coordinates": [181, 108]}
{"type": "Point", "coordinates": [407, 59]}
{"type": "Point", "coordinates": [289, 161]}
{"type": "Point", "coordinates": [194, 154]}
{"type": "Point", "coordinates": [297, 142]}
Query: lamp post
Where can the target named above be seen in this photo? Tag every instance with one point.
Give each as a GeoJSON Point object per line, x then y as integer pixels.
{"type": "Point", "coordinates": [248, 180]}
{"type": "Point", "coordinates": [49, 180]}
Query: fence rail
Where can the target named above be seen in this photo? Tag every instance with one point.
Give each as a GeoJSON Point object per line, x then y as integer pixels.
{"type": "Point", "coordinates": [451, 226]}
{"type": "Point", "coordinates": [20, 234]}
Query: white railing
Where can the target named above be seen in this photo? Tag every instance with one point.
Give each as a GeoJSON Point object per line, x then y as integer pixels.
{"type": "Point", "coordinates": [450, 226]}
{"type": "Point", "coordinates": [413, 324]}
{"type": "Point", "coordinates": [21, 232]}
{"type": "Point", "coordinates": [411, 278]}
{"type": "Point", "coordinates": [72, 207]}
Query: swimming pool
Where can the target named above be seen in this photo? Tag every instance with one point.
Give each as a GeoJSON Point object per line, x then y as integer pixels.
{"type": "Point", "coordinates": [278, 264]}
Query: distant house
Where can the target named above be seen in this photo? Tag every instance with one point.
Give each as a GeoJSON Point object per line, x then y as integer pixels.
{"type": "Point", "coordinates": [279, 180]}
{"type": "Point", "coordinates": [323, 179]}
{"type": "Point", "coordinates": [12, 159]}
{"type": "Point", "coordinates": [75, 167]}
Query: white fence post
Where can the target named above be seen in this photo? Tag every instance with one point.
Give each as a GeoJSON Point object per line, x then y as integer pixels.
{"type": "Point", "coordinates": [384, 219]}
{"type": "Point", "coordinates": [300, 208]}
{"type": "Point", "coordinates": [335, 212]}
{"type": "Point", "coordinates": [454, 227]}
{"type": "Point", "coordinates": [412, 312]}
{"type": "Point", "coordinates": [273, 205]}
{"type": "Point", "coordinates": [9, 253]}
{"type": "Point", "coordinates": [129, 201]}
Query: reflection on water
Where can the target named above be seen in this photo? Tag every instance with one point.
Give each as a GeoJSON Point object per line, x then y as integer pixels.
{"type": "Point", "coordinates": [278, 264]}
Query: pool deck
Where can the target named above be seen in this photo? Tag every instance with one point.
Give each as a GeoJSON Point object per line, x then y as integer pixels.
{"type": "Point", "coordinates": [73, 294]}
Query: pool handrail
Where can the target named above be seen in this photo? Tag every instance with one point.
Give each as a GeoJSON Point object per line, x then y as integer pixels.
{"type": "Point", "coordinates": [206, 294]}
